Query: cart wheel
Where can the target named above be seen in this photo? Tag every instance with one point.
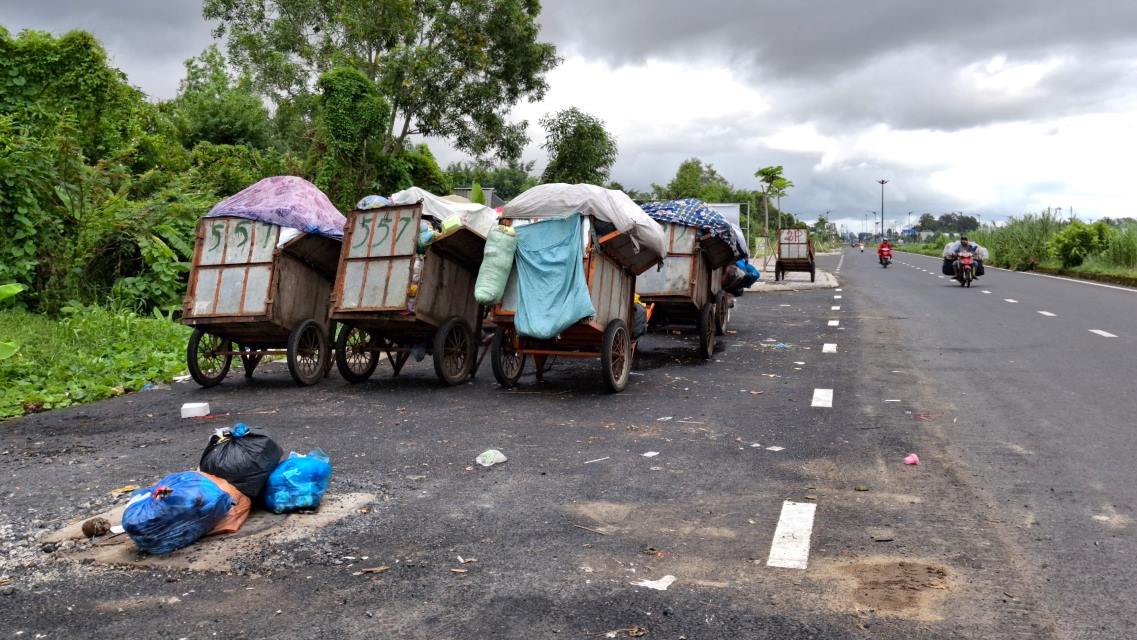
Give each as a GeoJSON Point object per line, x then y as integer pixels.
{"type": "Point", "coordinates": [250, 358]}
{"type": "Point", "coordinates": [307, 353]}
{"type": "Point", "coordinates": [616, 356]}
{"type": "Point", "coordinates": [812, 273]}
{"type": "Point", "coordinates": [208, 357]}
{"type": "Point", "coordinates": [707, 331]}
{"type": "Point", "coordinates": [507, 364]}
{"type": "Point", "coordinates": [454, 351]}
{"type": "Point", "coordinates": [722, 313]}
{"type": "Point", "coordinates": [356, 354]}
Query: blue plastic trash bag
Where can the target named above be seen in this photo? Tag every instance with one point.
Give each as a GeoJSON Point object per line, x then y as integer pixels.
{"type": "Point", "coordinates": [175, 512]}
{"type": "Point", "coordinates": [751, 271]}
{"type": "Point", "coordinates": [551, 288]}
{"type": "Point", "coordinates": [299, 482]}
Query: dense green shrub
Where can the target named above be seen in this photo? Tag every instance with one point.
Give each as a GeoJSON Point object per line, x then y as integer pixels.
{"type": "Point", "coordinates": [1074, 243]}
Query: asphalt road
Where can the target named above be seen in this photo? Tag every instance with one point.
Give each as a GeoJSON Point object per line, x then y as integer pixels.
{"type": "Point", "coordinates": [1014, 525]}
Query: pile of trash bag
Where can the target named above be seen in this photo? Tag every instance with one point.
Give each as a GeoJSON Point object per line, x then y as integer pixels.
{"type": "Point", "coordinates": [497, 263]}
{"type": "Point", "coordinates": [240, 467]}
{"type": "Point", "coordinates": [739, 277]}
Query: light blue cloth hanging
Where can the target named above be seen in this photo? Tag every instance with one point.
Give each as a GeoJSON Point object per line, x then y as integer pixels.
{"type": "Point", "coordinates": [551, 290]}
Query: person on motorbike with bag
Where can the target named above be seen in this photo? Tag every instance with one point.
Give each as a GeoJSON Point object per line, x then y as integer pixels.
{"type": "Point", "coordinates": [952, 251]}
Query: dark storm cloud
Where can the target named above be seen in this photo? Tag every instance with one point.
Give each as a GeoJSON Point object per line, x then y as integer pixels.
{"type": "Point", "coordinates": [895, 62]}
{"type": "Point", "coordinates": [147, 39]}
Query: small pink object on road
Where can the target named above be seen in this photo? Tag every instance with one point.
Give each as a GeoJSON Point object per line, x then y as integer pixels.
{"type": "Point", "coordinates": [912, 459]}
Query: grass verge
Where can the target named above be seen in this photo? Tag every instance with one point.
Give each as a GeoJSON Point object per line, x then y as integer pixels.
{"type": "Point", "coordinates": [88, 354]}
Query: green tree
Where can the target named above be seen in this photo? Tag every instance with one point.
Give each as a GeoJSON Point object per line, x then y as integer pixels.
{"type": "Point", "coordinates": [580, 149]}
{"type": "Point", "coordinates": [507, 179]}
{"type": "Point", "coordinates": [927, 223]}
{"type": "Point", "coordinates": [768, 176]}
{"type": "Point", "coordinates": [214, 107]}
{"type": "Point", "coordinates": [350, 123]}
{"type": "Point", "coordinates": [451, 68]}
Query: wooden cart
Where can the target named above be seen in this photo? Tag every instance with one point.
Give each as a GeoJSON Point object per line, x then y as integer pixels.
{"type": "Point", "coordinates": [384, 312]}
{"type": "Point", "coordinates": [611, 262]}
{"type": "Point", "coordinates": [687, 289]}
{"type": "Point", "coordinates": [258, 289]}
{"type": "Point", "coordinates": [795, 253]}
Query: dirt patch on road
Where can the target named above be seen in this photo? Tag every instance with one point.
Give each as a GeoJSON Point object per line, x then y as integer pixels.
{"type": "Point", "coordinates": [883, 586]}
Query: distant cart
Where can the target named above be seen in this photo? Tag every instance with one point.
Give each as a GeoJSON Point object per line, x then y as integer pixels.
{"type": "Point", "coordinates": [687, 289]}
{"type": "Point", "coordinates": [795, 253]}
{"type": "Point", "coordinates": [392, 301]}
{"type": "Point", "coordinates": [258, 289]}
{"type": "Point", "coordinates": [612, 260]}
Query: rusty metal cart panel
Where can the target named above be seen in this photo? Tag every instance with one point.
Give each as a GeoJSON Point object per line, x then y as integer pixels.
{"type": "Point", "coordinates": [687, 289]}
{"type": "Point", "coordinates": [795, 253]}
{"type": "Point", "coordinates": [261, 287]}
{"type": "Point", "coordinates": [382, 309]}
{"type": "Point", "coordinates": [610, 267]}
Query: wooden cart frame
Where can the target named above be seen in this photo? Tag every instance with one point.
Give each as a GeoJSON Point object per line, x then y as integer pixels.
{"type": "Point", "coordinates": [610, 264]}
{"type": "Point", "coordinates": [687, 289]}
{"type": "Point", "coordinates": [795, 253]}
{"type": "Point", "coordinates": [253, 291]}
{"type": "Point", "coordinates": [375, 292]}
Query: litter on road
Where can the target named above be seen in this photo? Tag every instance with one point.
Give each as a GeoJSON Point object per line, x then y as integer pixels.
{"type": "Point", "coordinates": [659, 585]}
{"type": "Point", "coordinates": [195, 409]}
{"type": "Point", "coordinates": [490, 457]}
{"type": "Point", "coordinates": [597, 460]}
{"type": "Point", "coordinates": [912, 459]}
{"type": "Point", "coordinates": [650, 454]}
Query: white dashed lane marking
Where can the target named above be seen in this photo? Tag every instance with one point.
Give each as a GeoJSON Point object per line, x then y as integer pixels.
{"type": "Point", "coordinates": [822, 398]}
{"type": "Point", "coordinates": [1104, 334]}
{"type": "Point", "coordinates": [790, 548]}
{"type": "Point", "coordinates": [834, 323]}
{"type": "Point", "coordinates": [986, 291]}
{"type": "Point", "coordinates": [835, 308]}
{"type": "Point", "coordinates": [836, 297]}
{"type": "Point", "coordinates": [1047, 314]}
{"type": "Point", "coordinates": [1010, 300]}
{"type": "Point", "coordinates": [829, 347]}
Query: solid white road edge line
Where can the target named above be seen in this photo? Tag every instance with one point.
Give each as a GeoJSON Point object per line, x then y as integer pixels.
{"type": "Point", "coordinates": [1104, 334]}
{"type": "Point", "coordinates": [790, 547]}
{"type": "Point", "coordinates": [829, 347]}
{"type": "Point", "coordinates": [822, 398]}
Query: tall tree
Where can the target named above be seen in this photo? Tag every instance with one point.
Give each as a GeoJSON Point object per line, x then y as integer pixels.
{"type": "Point", "coordinates": [694, 179]}
{"type": "Point", "coordinates": [580, 149]}
{"type": "Point", "coordinates": [768, 176]}
{"type": "Point", "coordinates": [451, 68]}
{"type": "Point", "coordinates": [213, 106]}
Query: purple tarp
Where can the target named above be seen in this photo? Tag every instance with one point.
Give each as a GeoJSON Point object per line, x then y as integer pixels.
{"type": "Point", "coordinates": [287, 201]}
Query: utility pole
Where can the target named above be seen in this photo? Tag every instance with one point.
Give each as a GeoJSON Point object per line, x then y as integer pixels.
{"type": "Point", "coordinates": [882, 182]}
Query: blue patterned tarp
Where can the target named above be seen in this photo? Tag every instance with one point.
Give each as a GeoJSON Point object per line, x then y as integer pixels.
{"type": "Point", "coordinates": [695, 213]}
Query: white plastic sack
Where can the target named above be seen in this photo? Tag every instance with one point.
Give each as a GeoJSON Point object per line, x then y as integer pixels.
{"type": "Point", "coordinates": [615, 207]}
{"type": "Point", "coordinates": [477, 217]}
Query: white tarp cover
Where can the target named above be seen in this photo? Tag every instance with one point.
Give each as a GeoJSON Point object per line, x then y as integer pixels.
{"type": "Point", "coordinates": [614, 207]}
{"type": "Point", "coordinates": [478, 217]}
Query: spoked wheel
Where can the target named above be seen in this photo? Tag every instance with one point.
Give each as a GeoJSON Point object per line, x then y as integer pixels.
{"type": "Point", "coordinates": [250, 358]}
{"type": "Point", "coordinates": [454, 351]}
{"type": "Point", "coordinates": [357, 354]}
{"type": "Point", "coordinates": [616, 356]}
{"type": "Point", "coordinates": [722, 312]}
{"type": "Point", "coordinates": [706, 330]}
{"type": "Point", "coordinates": [507, 364]}
{"type": "Point", "coordinates": [307, 353]}
{"type": "Point", "coordinates": [208, 357]}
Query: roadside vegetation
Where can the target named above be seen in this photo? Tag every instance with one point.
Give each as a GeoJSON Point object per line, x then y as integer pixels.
{"type": "Point", "coordinates": [1105, 249]}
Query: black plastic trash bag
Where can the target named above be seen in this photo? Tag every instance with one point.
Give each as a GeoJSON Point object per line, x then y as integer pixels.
{"type": "Point", "coordinates": [243, 457]}
{"type": "Point", "coordinates": [639, 321]}
{"type": "Point", "coordinates": [174, 513]}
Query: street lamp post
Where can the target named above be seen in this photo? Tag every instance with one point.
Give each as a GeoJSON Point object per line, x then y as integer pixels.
{"type": "Point", "coordinates": [882, 182]}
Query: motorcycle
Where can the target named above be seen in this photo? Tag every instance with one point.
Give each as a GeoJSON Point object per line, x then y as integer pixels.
{"type": "Point", "coordinates": [965, 269]}
{"type": "Point", "coordinates": [885, 257]}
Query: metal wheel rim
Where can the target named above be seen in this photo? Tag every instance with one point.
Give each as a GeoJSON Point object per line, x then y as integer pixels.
{"type": "Point", "coordinates": [358, 350]}
{"type": "Point", "coordinates": [308, 352]}
{"type": "Point", "coordinates": [620, 353]}
{"type": "Point", "coordinates": [456, 351]}
{"type": "Point", "coordinates": [510, 359]}
{"type": "Point", "coordinates": [209, 361]}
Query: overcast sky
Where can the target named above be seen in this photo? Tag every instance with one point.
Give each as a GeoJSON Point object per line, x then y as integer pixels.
{"type": "Point", "coordinates": [995, 108]}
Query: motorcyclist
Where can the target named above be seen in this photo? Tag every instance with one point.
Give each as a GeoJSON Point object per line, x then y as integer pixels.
{"type": "Point", "coordinates": [951, 252]}
{"type": "Point", "coordinates": [884, 248]}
